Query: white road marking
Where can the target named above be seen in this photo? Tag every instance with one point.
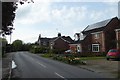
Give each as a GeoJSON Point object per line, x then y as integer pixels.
{"type": "Point", "coordinates": [42, 65]}
{"type": "Point", "coordinates": [39, 63]}
{"type": "Point", "coordinates": [59, 75]}
{"type": "Point", "coordinates": [13, 64]}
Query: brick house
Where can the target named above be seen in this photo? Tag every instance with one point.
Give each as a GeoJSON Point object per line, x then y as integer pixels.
{"type": "Point", "coordinates": [60, 42]}
{"type": "Point", "coordinates": [75, 46]}
{"type": "Point", "coordinates": [99, 37]}
{"type": "Point", "coordinates": [118, 37]}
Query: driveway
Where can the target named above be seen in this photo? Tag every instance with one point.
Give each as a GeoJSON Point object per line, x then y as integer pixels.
{"type": "Point", "coordinates": [102, 66]}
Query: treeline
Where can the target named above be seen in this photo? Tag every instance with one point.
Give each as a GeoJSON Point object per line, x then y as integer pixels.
{"type": "Point", "coordinates": [19, 45]}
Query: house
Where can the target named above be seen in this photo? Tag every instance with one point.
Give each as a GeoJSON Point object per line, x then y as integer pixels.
{"type": "Point", "coordinates": [118, 37]}
{"type": "Point", "coordinates": [75, 47]}
{"type": "Point", "coordinates": [43, 42]}
{"type": "Point", "coordinates": [60, 42]}
{"type": "Point", "coordinates": [99, 37]}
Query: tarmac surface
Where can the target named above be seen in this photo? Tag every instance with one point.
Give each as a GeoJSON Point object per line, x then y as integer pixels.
{"type": "Point", "coordinates": [102, 66]}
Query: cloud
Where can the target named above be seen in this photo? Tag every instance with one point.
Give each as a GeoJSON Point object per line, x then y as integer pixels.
{"type": "Point", "coordinates": [45, 18]}
{"type": "Point", "coordinates": [33, 13]}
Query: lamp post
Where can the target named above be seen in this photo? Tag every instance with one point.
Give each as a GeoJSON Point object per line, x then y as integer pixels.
{"type": "Point", "coordinates": [10, 32]}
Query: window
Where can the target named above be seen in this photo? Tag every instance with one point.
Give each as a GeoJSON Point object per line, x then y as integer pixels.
{"type": "Point", "coordinates": [95, 47]}
{"type": "Point", "coordinates": [44, 43]}
{"type": "Point", "coordinates": [79, 48]}
{"type": "Point", "coordinates": [96, 35]}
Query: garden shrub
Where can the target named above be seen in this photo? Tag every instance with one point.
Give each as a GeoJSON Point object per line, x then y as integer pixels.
{"type": "Point", "coordinates": [38, 49]}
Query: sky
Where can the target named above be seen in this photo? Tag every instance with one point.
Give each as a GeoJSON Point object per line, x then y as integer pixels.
{"type": "Point", "coordinates": [68, 17]}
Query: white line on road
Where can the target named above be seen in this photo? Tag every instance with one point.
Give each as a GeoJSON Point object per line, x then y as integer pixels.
{"type": "Point", "coordinates": [59, 75]}
{"type": "Point", "coordinates": [13, 64]}
{"type": "Point", "coordinates": [42, 65]}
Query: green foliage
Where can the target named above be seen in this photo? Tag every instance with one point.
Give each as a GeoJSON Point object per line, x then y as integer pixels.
{"type": "Point", "coordinates": [66, 59]}
{"type": "Point", "coordinates": [58, 51]}
{"type": "Point", "coordinates": [8, 14]}
{"type": "Point", "coordinates": [38, 49]}
{"type": "Point", "coordinates": [48, 55]}
{"type": "Point", "coordinates": [26, 47]}
{"type": "Point", "coordinates": [17, 45]}
{"type": "Point", "coordinates": [69, 60]}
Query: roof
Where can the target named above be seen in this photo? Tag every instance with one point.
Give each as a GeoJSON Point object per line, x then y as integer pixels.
{"type": "Point", "coordinates": [65, 38]}
{"type": "Point", "coordinates": [76, 42]}
{"type": "Point", "coordinates": [45, 39]}
{"type": "Point", "coordinates": [98, 25]}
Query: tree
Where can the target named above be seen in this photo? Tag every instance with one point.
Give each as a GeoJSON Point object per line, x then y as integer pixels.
{"type": "Point", "coordinates": [17, 45]}
{"type": "Point", "coordinates": [8, 15]}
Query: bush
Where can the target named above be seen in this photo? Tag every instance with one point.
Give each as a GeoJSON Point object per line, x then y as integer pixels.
{"type": "Point", "coordinates": [47, 55]}
{"type": "Point", "coordinates": [38, 49]}
{"type": "Point", "coordinates": [58, 51]}
{"type": "Point", "coordinates": [68, 59]}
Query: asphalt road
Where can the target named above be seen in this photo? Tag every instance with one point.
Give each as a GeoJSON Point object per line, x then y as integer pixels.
{"type": "Point", "coordinates": [33, 66]}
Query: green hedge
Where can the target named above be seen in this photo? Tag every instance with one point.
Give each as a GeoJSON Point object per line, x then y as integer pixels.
{"type": "Point", "coordinates": [38, 49]}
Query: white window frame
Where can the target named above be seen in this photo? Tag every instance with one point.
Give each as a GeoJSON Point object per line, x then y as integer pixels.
{"type": "Point", "coordinates": [79, 48]}
{"type": "Point", "coordinates": [98, 46]}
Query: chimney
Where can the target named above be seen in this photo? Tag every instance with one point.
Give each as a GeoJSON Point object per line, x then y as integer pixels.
{"type": "Point", "coordinates": [39, 35]}
{"type": "Point", "coordinates": [59, 34]}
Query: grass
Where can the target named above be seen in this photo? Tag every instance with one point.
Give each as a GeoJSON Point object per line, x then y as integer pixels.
{"type": "Point", "coordinates": [47, 55]}
{"type": "Point", "coordinates": [91, 58]}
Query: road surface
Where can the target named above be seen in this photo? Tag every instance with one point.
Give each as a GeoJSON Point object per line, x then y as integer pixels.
{"type": "Point", "coordinates": [33, 66]}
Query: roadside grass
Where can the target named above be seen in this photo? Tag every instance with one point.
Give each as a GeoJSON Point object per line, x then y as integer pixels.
{"type": "Point", "coordinates": [70, 59]}
{"type": "Point", "coordinates": [48, 55]}
{"type": "Point", "coordinates": [92, 58]}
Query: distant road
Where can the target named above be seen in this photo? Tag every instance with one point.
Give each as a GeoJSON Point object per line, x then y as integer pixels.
{"type": "Point", "coordinates": [33, 66]}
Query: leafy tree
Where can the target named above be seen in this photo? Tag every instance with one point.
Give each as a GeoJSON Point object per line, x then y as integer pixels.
{"type": "Point", "coordinates": [8, 15]}
{"type": "Point", "coordinates": [26, 47]}
{"type": "Point", "coordinates": [17, 45]}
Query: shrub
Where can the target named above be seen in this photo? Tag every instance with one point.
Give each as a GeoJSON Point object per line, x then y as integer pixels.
{"type": "Point", "coordinates": [38, 49]}
{"type": "Point", "coordinates": [47, 55]}
{"type": "Point", "coordinates": [68, 59]}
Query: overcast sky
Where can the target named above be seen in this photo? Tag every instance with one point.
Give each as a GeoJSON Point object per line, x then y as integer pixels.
{"type": "Point", "coordinates": [50, 17]}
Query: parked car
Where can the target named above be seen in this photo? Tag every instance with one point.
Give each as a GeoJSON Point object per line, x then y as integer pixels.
{"type": "Point", "coordinates": [68, 51]}
{"type": "Point", "coordinates": [113, 54]}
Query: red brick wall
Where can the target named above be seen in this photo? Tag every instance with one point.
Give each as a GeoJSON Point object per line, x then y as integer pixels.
{"type": "Point", "coordinates": [110, 35]}
{"type": "Point", "coordinates": [60, 44]}
{"type": "Point", "coordinates": [119, 35]}
{"type": "Point", "coordinates": [99, 40]}
{"type": "Point", "coordinates": [86, 44]}
{"type": "Point", "coordinates": [118, 38]}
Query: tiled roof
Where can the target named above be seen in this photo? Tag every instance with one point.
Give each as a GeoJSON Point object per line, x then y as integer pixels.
{"type": "Point", "coordinates": [65, 38]}
{"type": "Point", "coordinates": [98, 25]}
{"type": "Point", "coordinates": [45, 39]}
